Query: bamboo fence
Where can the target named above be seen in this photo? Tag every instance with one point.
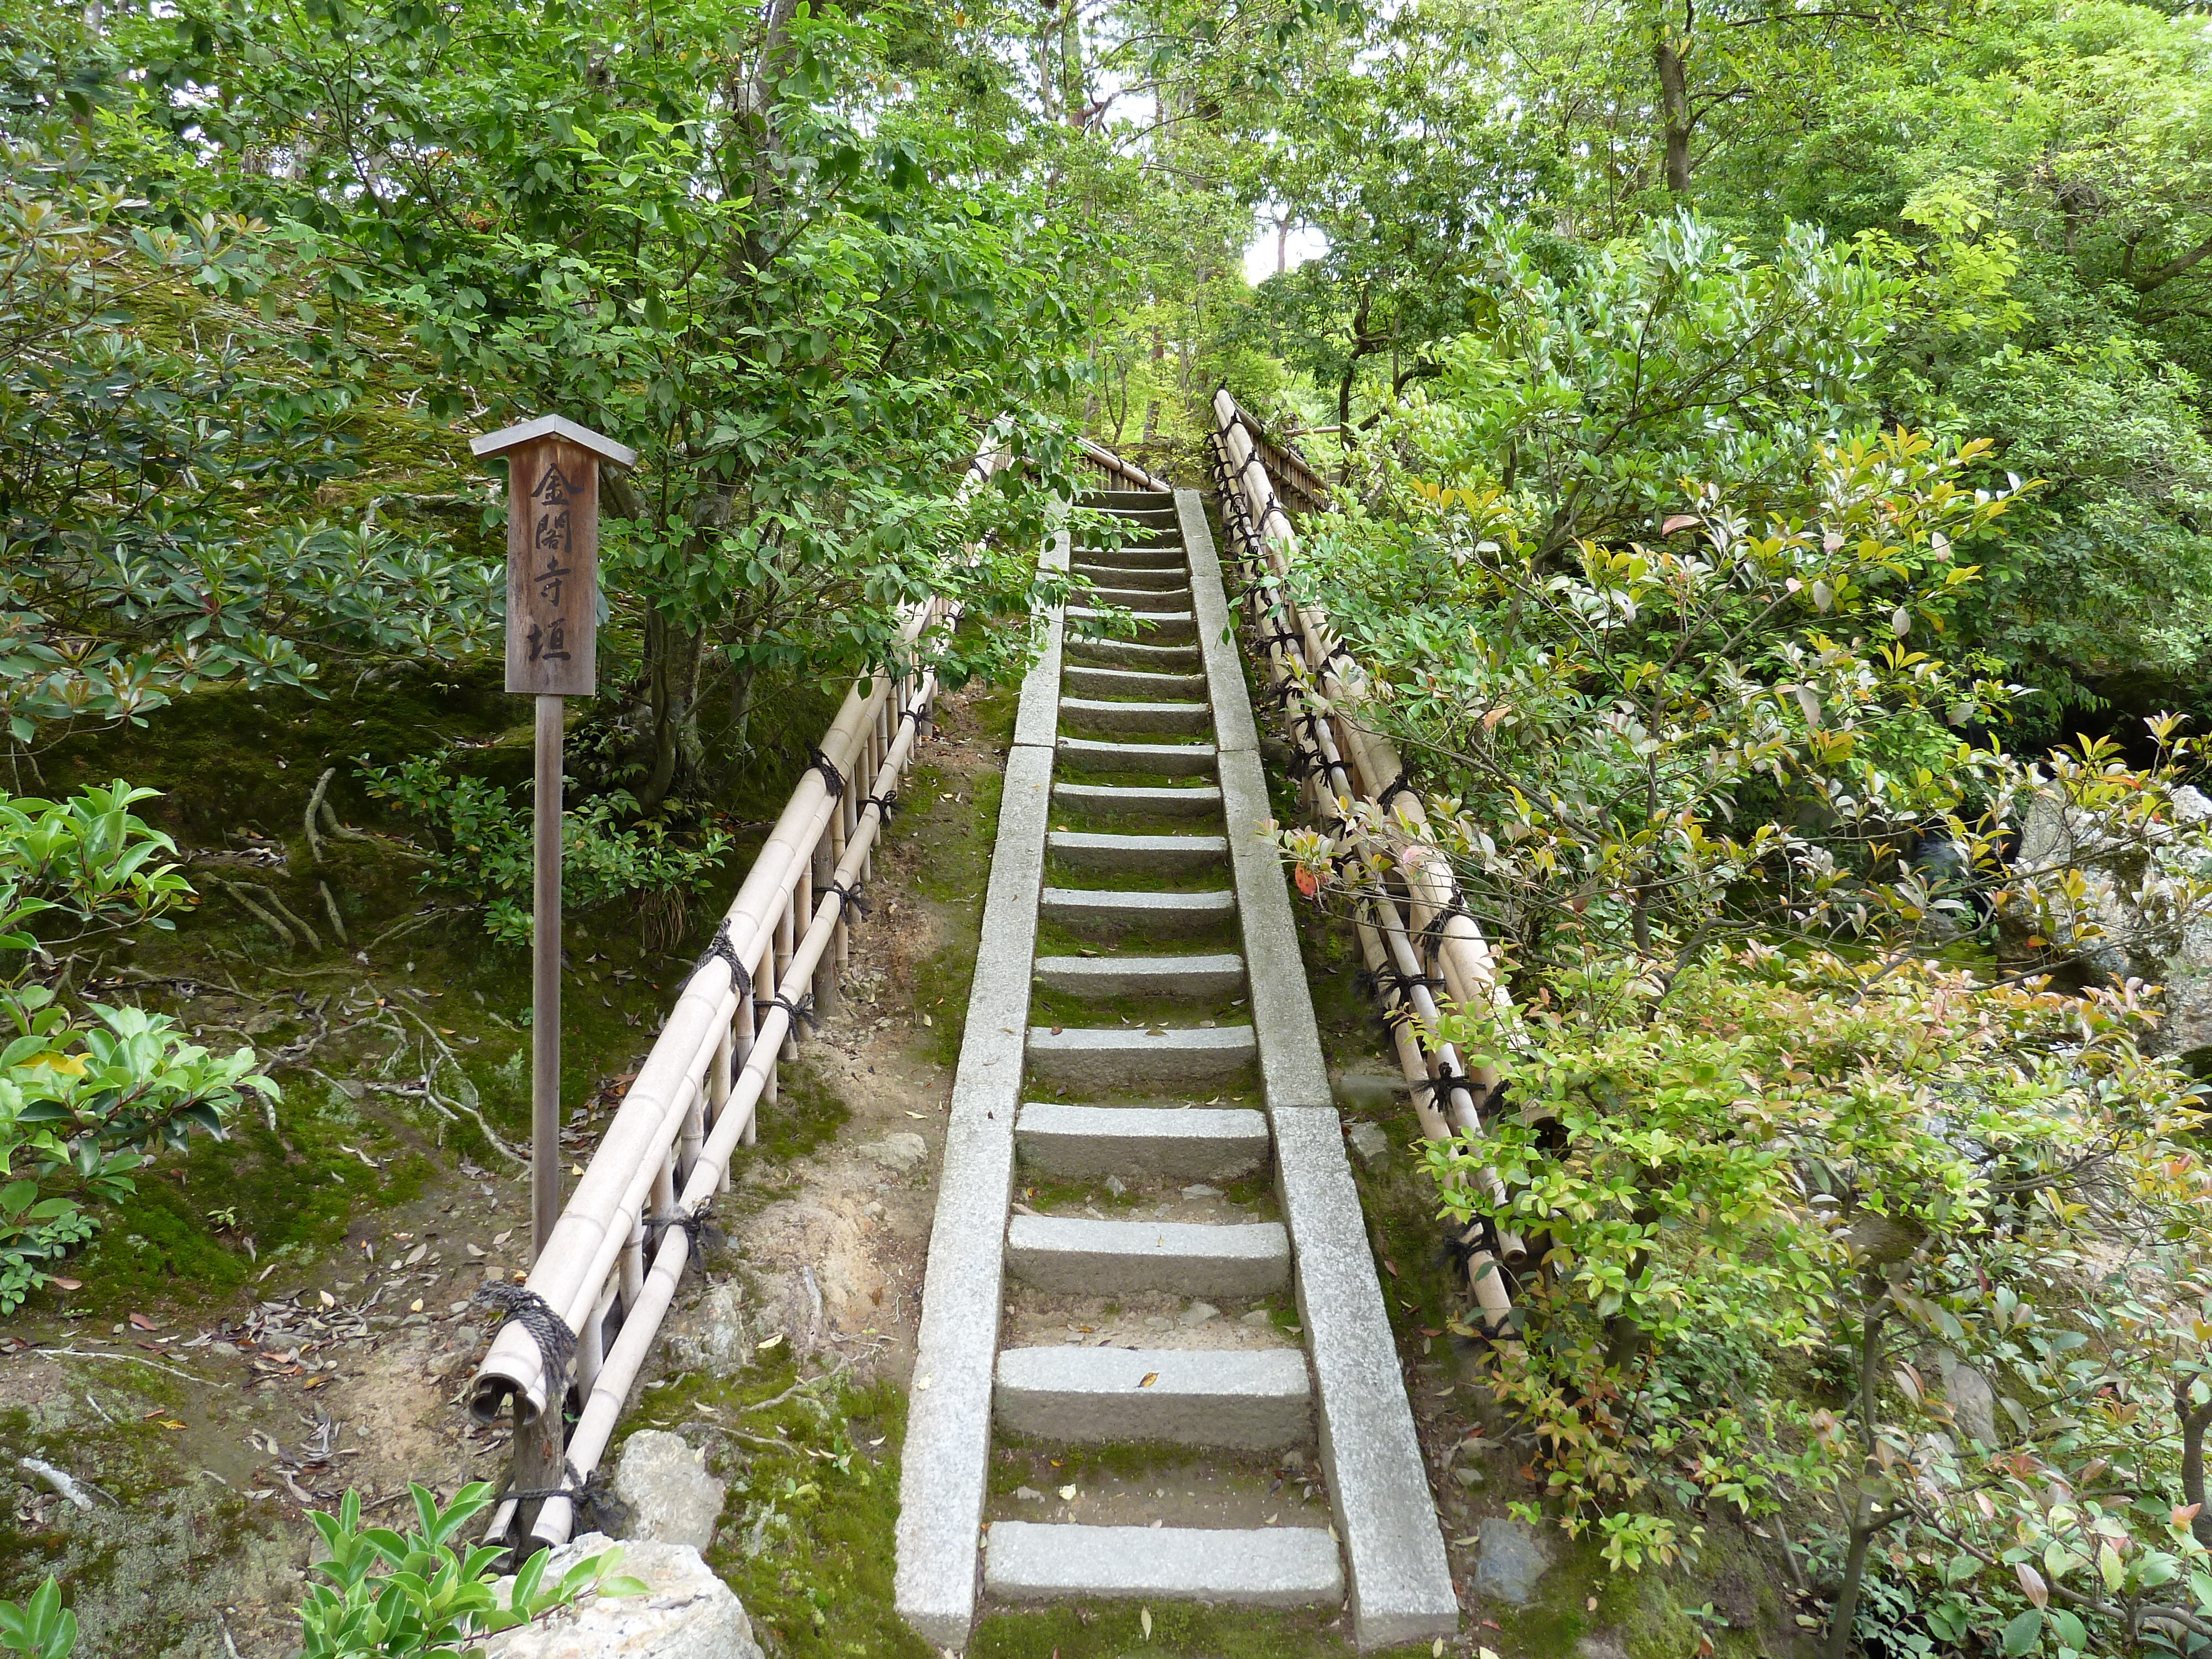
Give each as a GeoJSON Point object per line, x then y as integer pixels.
{"type": "Point", "coordinates": [1424, 953]}
{"type": "Point", "coordinates": [609, 1268]}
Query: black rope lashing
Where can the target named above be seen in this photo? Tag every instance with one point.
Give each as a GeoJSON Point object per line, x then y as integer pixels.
{"type": "Point", "coordinates": [802, 1009]}
{"type": "Point", "coordinates": [1289, 638]}
{"type": "Point", "coordinates": [1397, 787]}
{"type": "Point", "coordinates": [832, 779]}
{"type": "Point", "coordinates": [849, 898]}
{"type": "Point", "coordinates": [1433, 935]}
{"type": "Point", "coordinates": [557, 1343]}
{"type": "Point", "coordinates": [692, 1223]}
{"type": "Point", "coordinates": [591, 1495]}
{"type": "Point", "coordinates": [1441, 1086]}
{"type": "Point", "coordinates": [720, 947]}
{"type": "Point", "coordinates": [885, 803]}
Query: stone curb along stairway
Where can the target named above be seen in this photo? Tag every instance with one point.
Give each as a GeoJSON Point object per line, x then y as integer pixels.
{"type": "Point", "coordinates": [1162, 1036]}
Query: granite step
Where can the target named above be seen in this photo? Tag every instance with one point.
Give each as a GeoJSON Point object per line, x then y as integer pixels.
{"type": "Point", "coordinates": [1111, 800]}
{"type": "Point", "coordinates": [1172, 760]}
{"type": "Point", "coordinates": [1154, 578]}
{"type": "Point", "coordinates": [1144, 555]}
{"type": "Point", "coordinates": [1257, 1567]}
{"type": "Point", "coordinates": [1076, 1256]}
{"type": "Point", "coordinates": [1172, 915]}
{"type": "Point", "coordinates": [1152, 624]}
{"type": "Point", "coordinates": [1136, 684]}
{"type": "Point", "coordinates": [1242, 1399]}
{"type": "Point", "coordinates": [1190, 1143]}
{"type": "Point", "coordinates": [1145, 1057]}
{"type": "Point", "coordinates": [1095, 854]}
{"type": "Point", "coordinates": [1130, 653]}
{"type": "Point", "coordinates": [1198, 977]}
{"type": "Point", "coordinates": [1142, 600]}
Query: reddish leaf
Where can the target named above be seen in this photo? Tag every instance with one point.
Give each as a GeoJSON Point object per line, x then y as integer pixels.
{"type": "Point", "coordinates": [1680, 521]}
{"type": "Point", "coordinates": [66, 1284]}
{"type": "Point", "coordinates": [142, 1323]}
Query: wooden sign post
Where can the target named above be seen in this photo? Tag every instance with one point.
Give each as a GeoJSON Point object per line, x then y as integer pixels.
{"type": "Point", "coordinates": [552, 638]}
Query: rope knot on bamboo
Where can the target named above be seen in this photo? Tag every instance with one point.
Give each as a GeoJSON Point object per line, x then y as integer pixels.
{"type": "Point", "coordinates": [852, 898]}
{"type": "Point", "coordinates": [721, 948]}
{"type": "Point", "coordinates": [802, 1009]}
{"type": "Point", "coordinates": [691, 1223]}
{"type": "Point", "coordinates": [885, 803]}
{"type": "Point", "coordinates": [1432, 936]}
{"type": "Point", "coordinates": [832, 779]}
{"type": "Point", "coordinates": [592, 1496]}
{"type": "Point", "coordinates": [557, 1343]}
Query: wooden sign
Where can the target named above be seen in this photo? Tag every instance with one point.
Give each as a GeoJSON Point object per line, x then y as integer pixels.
{"type": "Point", "coordinates": [552, 552]}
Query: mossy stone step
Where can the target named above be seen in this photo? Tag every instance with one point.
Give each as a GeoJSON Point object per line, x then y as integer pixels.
{"type": "Point", "coordinates": [1130, 653]}
{"type": "Point", "coordinates": [1113, 716]}
{"type": "Point", "coordinates": [1134, 683]}
{"type": "Point", "coordinates": [1140, 1056]}
{"type": "Point", "coordinates": [1093, 852]}
{"type": "Point", "coordinates": [1169, 915]}
{"type": "Point", "coordinates": [1190, 1143]}
{"type": "Point", "coordinates": [1182, 1258]}
{"type": "Point", "coordinates": [1109, 800]}
{"type": "Point", "coordinates": [1162, 760]}
{"type": "Point", "coordinates": [1243, 1399]}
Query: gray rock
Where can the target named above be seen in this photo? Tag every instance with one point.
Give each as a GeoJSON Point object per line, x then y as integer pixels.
{"type": "Point", "coordinates": [671, 1498]}
{"type": "Point", "coordinates": [1512, 1560]}
{"type": "Point", "coordinates": [901, 1152]}
{"type": "Point", "coordinates": [1973, 1401]}
{"type": "Point", "coordinates": [711, 1335]}
{"type": "Point", "coordinates": [1369, 1145]}
{"type": "Point", "coordinates": [1027, 1495]}
{"type": "Point", "coordinates": [1200, 1313]}
{"type": "Point", "coordinates": [1600, 1647]}
{"type": "Point", "coordinates": [687, 1612]}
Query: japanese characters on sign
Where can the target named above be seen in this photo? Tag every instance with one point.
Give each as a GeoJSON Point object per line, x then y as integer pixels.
{"type": "Point", "coordinates": [552, 568]}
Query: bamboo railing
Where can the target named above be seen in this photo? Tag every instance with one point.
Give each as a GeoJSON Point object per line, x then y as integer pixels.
{"type": "Point", "coordinates": [1415, 934]}
{"type": "Point", "coordinates": [602, 1286]}
{"type": "Point", "coordinates": [1117, 471]}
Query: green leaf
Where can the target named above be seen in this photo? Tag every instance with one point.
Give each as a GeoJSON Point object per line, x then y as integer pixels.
{"type": "Point", "coordinates": [2023, 1633]}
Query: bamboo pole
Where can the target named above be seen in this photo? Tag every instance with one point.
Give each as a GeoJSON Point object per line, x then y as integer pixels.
{"type": "Point", "coordinates": [618, 1371]}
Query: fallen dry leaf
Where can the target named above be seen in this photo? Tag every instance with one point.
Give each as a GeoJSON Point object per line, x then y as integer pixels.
{"type": "Point", "coordinates": [139, 1321]}
{"type": "Point", "coordinates": [1150, 1377]}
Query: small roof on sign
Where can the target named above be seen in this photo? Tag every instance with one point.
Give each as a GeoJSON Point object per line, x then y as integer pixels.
{"type": "Point", "coordinates": [553, 426]}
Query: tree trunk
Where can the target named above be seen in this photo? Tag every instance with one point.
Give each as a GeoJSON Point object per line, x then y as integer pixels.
{"type": "Point", "coordinates": [672, 674]}
{"type": "Point", "coordinates": [1674, 111]}
{"type": "Point", "coordinates": [1864, 1523]}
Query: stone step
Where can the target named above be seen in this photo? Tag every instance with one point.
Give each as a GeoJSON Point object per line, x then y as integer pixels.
{"type": "Point", "coordinates": [1172, 760]}
{"type": "Point", "coordinates": [1173, 915]}
{"type": "Point", "coordinates": [1151, 624]}
{"type": "Point", "coordinates": [1135, 555]}
{"type": "Point", "coordinates": [1142, 600]}
{"type": "Point", "coordinates": [1128, 653]}
{"type": "Point", "coordinates": [1155, 579]}
{"type": "Point", "coordinates": [1245, 1399]}
{"type": "Point", "coordinates": [1190, 1143]}
{"type": "Point", "coordinates": [1258, 1567]}
{"type": "Point", "coordinates": [1145, 855]}
{"type": "Point", "coordinates": [1138, 801]}
{"type": "Point", "coordinates": [1073, 1254]}
{"type": "Point", "coordinates": [1149, 1057]}
{"type": "Point", "coordinates": [1118, 501]}
{"type": "Point", "coordinates": [1112, 717]}
{"type": "Point", "coordinates": [1129, 682]}
{"type": "Point", "coordinates": [1194, 976]}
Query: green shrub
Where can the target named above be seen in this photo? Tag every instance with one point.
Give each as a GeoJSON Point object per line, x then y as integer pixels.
{"type": "Point", "coordinates": [484, 842]}
{"type": "Point", "coordinates": [396, 1595]}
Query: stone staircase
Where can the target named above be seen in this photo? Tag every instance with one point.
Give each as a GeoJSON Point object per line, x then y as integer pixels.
{"type": "Point", "coordinates": [1141, 1034]}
